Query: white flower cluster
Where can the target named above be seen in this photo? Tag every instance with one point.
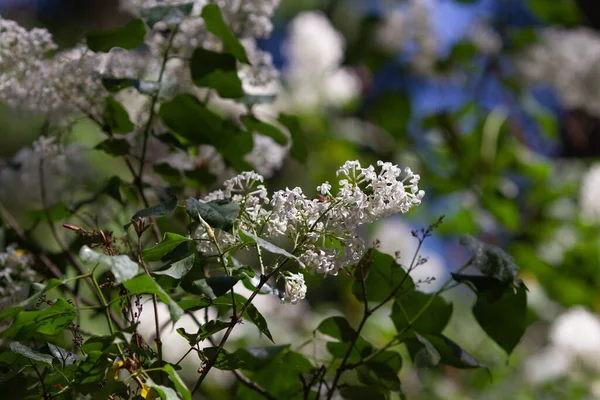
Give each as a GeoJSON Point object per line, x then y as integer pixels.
{"type": "Point", "coordinates": [569, 60]}
{"type": "Point", "coordinates": [16, 273]}
{"type": "Point", "coordinates": [410, 29]}
{"type": "Point", "coordinates": [65, 171]}
{"type": "Point", "coordinates": [314, 76]}
{"type": "Point", "coordinates": [33, 80]}
{"type": "Point", "coordinates": [295, 288]}
{"type": "Point", "coordinates": [589, 198]}
{"type": "Point", "coordinates": [323, 229]}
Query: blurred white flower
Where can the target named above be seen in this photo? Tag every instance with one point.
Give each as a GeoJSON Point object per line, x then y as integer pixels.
{"type": "Point", "coordinates": [589, 198]}
{"type": "Point", "coordinates": [314, 75]}
{"type": "Point", "coordinates": [487, 40]}
{"type": "Point", "coordinates": [409, 28]}
{"type": "Point", "coordinates": [34, 80]}
{"type": "Point", "coordinates": [568, 59]}
{"type": "Point", "coordinates": [577, 332]}
{"type": "Point", "coordinates": [16, 275]}
{"type": "Point", "coordinates": [65, 171]}
{"type": "Point", "coordinates": [574, 341]}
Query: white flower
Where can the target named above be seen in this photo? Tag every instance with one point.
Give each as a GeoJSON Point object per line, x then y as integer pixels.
{"type": "Point", "coordinates": [295, 288]}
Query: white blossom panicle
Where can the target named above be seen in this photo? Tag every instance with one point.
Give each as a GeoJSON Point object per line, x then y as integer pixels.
{"type": "Point", "coordinates": [295, 288]}
{"type": "Point", "coordinates": [589, 199]}
{"type": "Point", "coordinates": [410, 29]}
{"type": "Point", "coordinates": [16, 273]}
{"type": "Point", "coordinates": [314, 76]}
{"type": "Point", "coordinates": [324, 230]}
{"type": "Point", "coordinates": [568, 59]}
{"type": "Point", "coordinates": [33, 80]}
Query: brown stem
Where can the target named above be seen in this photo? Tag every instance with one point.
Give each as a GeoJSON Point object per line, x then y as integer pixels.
{"type": "Point", "coordinates": [366, 314]}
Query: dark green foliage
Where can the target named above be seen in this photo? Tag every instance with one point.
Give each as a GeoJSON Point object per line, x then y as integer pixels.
{"type": "Point", "coordinates": [127, 37]}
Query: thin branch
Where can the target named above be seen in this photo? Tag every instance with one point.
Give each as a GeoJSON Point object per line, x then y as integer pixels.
{"type": "Point", "coordinates": [366, 314]}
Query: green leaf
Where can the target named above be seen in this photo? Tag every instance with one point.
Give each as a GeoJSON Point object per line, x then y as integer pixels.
{"type": "Point", "coordinates": [93, 368]}
{"type": "Point", "coordinates": [450, 353]}
{"type": "Point", "coordinates": [165, 393]}
{"type": "Point", "coordinates": [559, 12]}
{"type": "Point", "coordinates": [51, 321]}
{"type": "Point", "coordinates": [121, 266]}
{"type": "Point", "coordinates": [257, 357]}
{"type": "Point", "coordinates": [253, 124]}
{"type": "Point", "coordinates": [492, 261]}
{"type": "Point", "coordinates": [117, 118]}
{"type": "Point", "coordinates": [168, 244]}
{"type": "Point", "coordinates": [56, 212]}
{"type": "Point", "coordinates": [248, 237]}
{"type": "Point", "coordinates": [503, 319]}
{"type": "Point", "coordinates": [178, 269]}
{"type": "Point", "coordinates": [216, 25]}
{"type": "Point", "coordinates": [127, 37]}
{"type": "Point", "coordinates": [391, 111]}
{"type": "Point", "coordinates": [216, 71]}
{"type": "Point", "coordinates": [338, 328]}
{"type": "Point", "coordinates": [161, 209]}
{"type": "Point", "coordinates": [114, 147]}
{"type": "Point", "coordinates": [178, 382]}
{"type": "Point", "coordinates": [434, 320]}
{"type": "Point", "coordinates": [31, 354]}
{"type": "Point", "coordinates": [63, 356]}
{"type": "Point", "coordinates": [216, 286]}
{"type": "Point", "coordinates": [144, 284]}
{"type": "Point", "coordinates": [38, 290]}
{"type": "Point", "coordinates": [485, 286]}
{"type": "Point", "coordinates": [115, 85]}
{"type": "Point", "coordinates": [186, 116]}
{"type": "Point", "coordinates": [112, 189]}
{"type": "Point", "coordinates": [225, 361]}
{"type": "Point", "coordinates": [429, 350]}
{"type": "Point", "coordinates": [280, 377]}
{"type": "Point", "coordinates": [361, 349]}
{"type": "Point", "coordinates": [199, 178]}
{"type": "Point", "coordinates": [379, 375]}
{"type": "Point", "coordinates": [168, 173]}
{"type": "Point", "coordinates": [383, 275]}
{"type": "Point", "coordinates": [171, 14]}
{"type": "Point", "coordinates": [194, 304]}
{"type": "Point", "coordinates": [251, 313]}
{"type": "Point", "coordinates": [355, 392]}
{"type": "Point", "coordinates": [205, 331]}
{"type": "Point", "coordinates": [217, 213]}
{"type": "Point", "coordinates": [299, 149]}
{"type": "Point", "coordinates": [391, 358]}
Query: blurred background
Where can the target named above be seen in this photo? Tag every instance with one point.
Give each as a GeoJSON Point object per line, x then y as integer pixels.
{"type": "Point", "coordinates": [495, 103]}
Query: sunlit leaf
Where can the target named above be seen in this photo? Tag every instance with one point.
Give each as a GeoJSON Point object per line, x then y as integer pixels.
{"type": "Point", "coordinates": [122, 267]}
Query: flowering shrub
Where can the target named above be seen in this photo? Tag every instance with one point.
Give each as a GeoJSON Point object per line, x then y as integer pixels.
{"type": "Point", "coordinates": [195, 112]}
